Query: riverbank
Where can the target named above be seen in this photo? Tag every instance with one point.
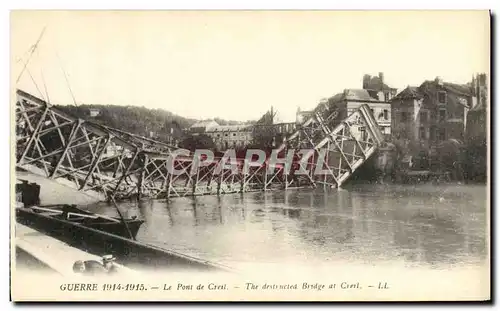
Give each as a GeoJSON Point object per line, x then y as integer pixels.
{"type": "Point", "coordinates": [52, 192]}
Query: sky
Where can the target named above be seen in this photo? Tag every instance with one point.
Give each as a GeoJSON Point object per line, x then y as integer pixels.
{"type": "Point", "coordinates": [236, 65]}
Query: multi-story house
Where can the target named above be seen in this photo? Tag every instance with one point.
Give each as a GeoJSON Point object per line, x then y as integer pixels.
{"type": "Point", "coordinates": [351, 99]}
{"type": "Point", "coordinates": [230, 136]}
{"type": "Point", "coordinates": [477, 118]}
{"type": "Point", "coordinates": [477, 131]}
{"type": "Point", "coordinates": [202, 127]}
{"type": "Point", "coordinates": [377, 88]}
{"type": "Point", "coordinates": [434, 112]}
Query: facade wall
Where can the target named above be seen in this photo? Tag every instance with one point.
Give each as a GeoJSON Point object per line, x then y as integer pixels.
{"type": "Point", "coordinates": [284, 128]}
{"type": "Point", "coordinates": [410, 119]}
{"type": "Point", "coordinates": [381, 112]}
{"type": "Point", "coordinates": [448, 118]}
{"type": "Point", "coordinates": [230, 138]}
{"type": "Point", "coordinates": [439, 116]}
{"type": "Point", "coordinates": [477, 124]}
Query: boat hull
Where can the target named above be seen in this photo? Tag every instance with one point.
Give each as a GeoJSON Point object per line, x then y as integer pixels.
{"type": "Point", "coordinates": [116, 228]}
{"type": "Point", "coordinates": [127, 251]}
{"type": "Point", "coordinates": [103, 223]}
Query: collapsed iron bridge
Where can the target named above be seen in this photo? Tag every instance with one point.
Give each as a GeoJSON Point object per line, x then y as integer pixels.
{"type": "Point", "coordinates": [107, 163]}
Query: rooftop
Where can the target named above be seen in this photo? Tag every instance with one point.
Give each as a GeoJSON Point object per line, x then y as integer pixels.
{"type": "Point", "coordinates": [205, 123]}
{"type": "Point", "coordinates": [414, 92]}
{"type": "Point", "coordinates": [353, 95]}
{"type": "Point", "coordinates": [410, 92]}
{"type": "Point", "coordinates": [229, 128]}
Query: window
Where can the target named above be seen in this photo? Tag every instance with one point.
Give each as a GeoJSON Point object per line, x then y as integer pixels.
{"type": "Point", "coordinates": [225, 134]}
{"type": "Point", "coordinates": [442, 97]}
{"type": "Point", "coordinates": [421, 133]}
{"type": "Point", "coordinates": [442, 115]}
{"type": "Point", "coordinates": [371, 109]}
{"type": "Point", "coordinates": [404, 116]}
{"type": "Point", "coordinates": [386, 114]}
{"type": "Point", "coordinates": [423, 116]}
{"type": "Point", "coordinates": [234, 134]}
{"type": "Point", "coordinates": [441, 135]}
{"type": "Point", "coordinates": [432, 133]}
{"type": "Point", "coordinates": [362, 131]}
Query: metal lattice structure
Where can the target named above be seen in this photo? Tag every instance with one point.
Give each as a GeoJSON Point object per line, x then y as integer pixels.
{"type": "Point", "coordinates": [105, 162]}
{"type": "Point", "coordinates": [338, 150]}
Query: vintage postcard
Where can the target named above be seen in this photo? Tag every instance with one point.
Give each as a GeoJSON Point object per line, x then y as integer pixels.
{"type": "Point", "coordinates": [250, 155]}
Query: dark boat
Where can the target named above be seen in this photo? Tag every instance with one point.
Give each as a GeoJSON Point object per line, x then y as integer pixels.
{"type": "Point", "coordinates": [97, 242]}
{"type": "Point", "coordinates": [104, 223]}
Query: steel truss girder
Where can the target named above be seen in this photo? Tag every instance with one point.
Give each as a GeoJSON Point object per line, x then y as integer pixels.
{"type": "Point", "coordinates": [106, 162]}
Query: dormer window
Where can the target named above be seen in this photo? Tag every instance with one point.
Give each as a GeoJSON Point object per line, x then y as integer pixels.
{"type": "Point", "coordinates": [442, 97]}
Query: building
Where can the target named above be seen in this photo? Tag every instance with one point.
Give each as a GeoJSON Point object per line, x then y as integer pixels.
{"type": "Point", "coordinates": [302, 116]}
{"type": "Point", "coordinates": [434, 112]}
{"type": "Point", "coordinates": [479, 86]}
{"type": "Point", "coordinates": [376, 87]}
{"type": "Point", "coordinates": [476, 136]}
{"type": "Point", "coordinates": [230, 136]}
{"type": "Point", "coordinates": [477, 124]}
{"type": "Point", "coordinates": [351, 99]}
{"type": "Point", "coordinates": [202, 127]}
{"type": "Point", "coordinates": [94, 112]}
{"type": "Point", "coordinates": [285, 128]}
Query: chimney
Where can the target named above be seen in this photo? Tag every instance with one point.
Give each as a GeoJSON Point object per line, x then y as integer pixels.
{"type": "Point", "coordinates": [482, 79]}
{"type": "Point", "coordinates": [381, 77]}
{"type": "Point", "coordinates": [439, 81]}
{"type": "Point", "coordinates": [366, 81]}
{"type": "Point", "coordinates": [298, 116]}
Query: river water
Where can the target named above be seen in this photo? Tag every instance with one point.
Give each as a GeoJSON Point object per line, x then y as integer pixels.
{"type": "Point", "coordinates": [424, 226]}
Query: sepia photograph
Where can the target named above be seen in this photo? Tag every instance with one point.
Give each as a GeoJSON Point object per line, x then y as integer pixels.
{"type": "Point", "coordinates": [250, 155]}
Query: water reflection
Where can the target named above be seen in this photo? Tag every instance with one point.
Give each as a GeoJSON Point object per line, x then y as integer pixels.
{"type": "Point", "coordinates": [417, 225]}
